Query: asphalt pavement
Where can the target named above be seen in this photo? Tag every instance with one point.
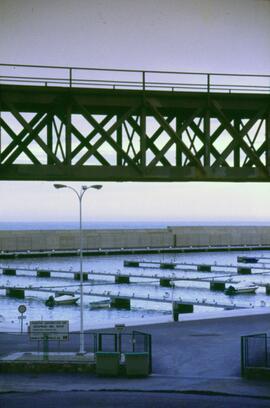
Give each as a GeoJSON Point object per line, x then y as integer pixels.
{"type": "Point", "coordinates": [197, 357]}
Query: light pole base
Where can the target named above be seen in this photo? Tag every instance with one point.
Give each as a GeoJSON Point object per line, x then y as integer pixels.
{"type": "Point", "coordinates": [81, 353]}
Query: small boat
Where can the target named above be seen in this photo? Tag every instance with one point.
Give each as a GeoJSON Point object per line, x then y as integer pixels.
{"type": "Point", "coordinates": [240, 288]}
{"type": "Point", "coordinates": [100, 304]}
{"type": "Point", "coordinates": [61, 300]}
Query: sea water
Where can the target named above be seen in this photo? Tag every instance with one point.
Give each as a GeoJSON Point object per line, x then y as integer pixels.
{"type": "Point", "coordinates": [141, 311]}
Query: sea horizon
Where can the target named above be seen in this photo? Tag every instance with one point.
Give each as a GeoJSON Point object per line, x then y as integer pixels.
{"type": "Point", "coordinates": [58, 225]}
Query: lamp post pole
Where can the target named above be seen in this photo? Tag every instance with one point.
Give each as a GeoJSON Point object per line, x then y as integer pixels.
{"type": "Point", "coordinates": [80, 197]}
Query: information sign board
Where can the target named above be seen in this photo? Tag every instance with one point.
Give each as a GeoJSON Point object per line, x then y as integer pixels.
{"type": "Point", "coordinates": [49, 329]}
{"type": "Point", "coordinates": [119, 327]}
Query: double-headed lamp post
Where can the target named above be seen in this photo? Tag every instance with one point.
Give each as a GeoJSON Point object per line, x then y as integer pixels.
{"type": "Point", "coordinates": [80, 195]}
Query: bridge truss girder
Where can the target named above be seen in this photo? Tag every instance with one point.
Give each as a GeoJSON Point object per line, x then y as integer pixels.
{"type": "Point", "coordinates": [112, 135]}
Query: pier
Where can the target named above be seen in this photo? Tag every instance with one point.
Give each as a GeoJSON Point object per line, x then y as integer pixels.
{"type": "Point", "coordinates": [117, 295]}
{"type": "Point", "coordinates": [216, 279]}
{"type": "Point", "coordinates": [194, 267]}
{"type": "Point", "coordinates": [54, 253]}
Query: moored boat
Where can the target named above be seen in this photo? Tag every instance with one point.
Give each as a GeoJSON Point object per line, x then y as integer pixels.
{"type": "Point", "coordinates": [61, 300]}
{"type": "Point", "coordinates": [240, 288]}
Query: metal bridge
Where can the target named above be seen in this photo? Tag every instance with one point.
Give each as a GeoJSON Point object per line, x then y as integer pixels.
{"type": "Point", "coordinates": [73, 123]}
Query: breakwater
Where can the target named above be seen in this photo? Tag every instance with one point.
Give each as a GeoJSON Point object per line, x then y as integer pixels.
{"type": "Point", "coordinates": [170, 237]}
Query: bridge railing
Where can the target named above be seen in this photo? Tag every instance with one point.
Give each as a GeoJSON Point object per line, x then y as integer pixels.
{"type": "Point", "coordinates": [103, 78]}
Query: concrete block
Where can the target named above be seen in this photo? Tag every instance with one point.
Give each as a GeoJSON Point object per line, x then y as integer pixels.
{"type": "Point", "coordinates": [181, 308]}
{"type": "Point", "coordinates": [43, 274]}
{"type": "Point", "coordinates": [165, 283]}
{"type": "Point", "coordinates": [77, 276]}
{"type": "Point", "coordinates": [204, 268]}
{"type": "Point", "coordinates": [243, 270]}
{"type": "Point", "coordinates": [217, 286]}
{"type": "Point", "coordinates": [137, 364]}
{"type": "Point", "coordinates": [15, 292]}
{"type": "Point", "coordinates": [9, 272]}
{"type": "Point", "coordinates": [107, 363]}
{"type": "Point", "coordinates": [257, 373]}
{"type": "Point", "coordinates": [167, 265]}
{"type": "Point", "coordinates": [122, 279]}
{"type": "Point", "coordinates": [120, 303]}
{"type": "Point", "coordinates": [132, 263]}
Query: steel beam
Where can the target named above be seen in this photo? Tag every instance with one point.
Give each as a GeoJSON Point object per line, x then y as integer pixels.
{"type": "Point", "coordinates": [197, 136]}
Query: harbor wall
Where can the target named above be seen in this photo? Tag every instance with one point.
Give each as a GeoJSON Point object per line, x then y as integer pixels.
{"type": "Point", "coordinates": [35, 240]}
{"type": "Point", "coordinates": [219, 235]}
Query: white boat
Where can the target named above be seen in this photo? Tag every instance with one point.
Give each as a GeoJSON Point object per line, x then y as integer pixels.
{"type": "Point", "coordinates": [100, 304]}
{"type": "Point", "coordinates": [66, 299]}
{"type": "Point", "coordinates": [61, 300]}
{"type": "Point", "coordinates": [238, 288]}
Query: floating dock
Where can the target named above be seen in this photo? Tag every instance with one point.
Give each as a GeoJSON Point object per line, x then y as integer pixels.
{"type": "Point", "coordinates": [117, 295]}
{"type": "Point", "coordinates": [217, 281]}
{"type": "Point", "coordinates": [224, 268]}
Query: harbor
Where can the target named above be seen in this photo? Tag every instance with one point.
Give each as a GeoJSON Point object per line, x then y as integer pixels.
{"type": "Point", "coordinates": [132, 293]}
{"type": "Point", "coordinates": [134, 213]}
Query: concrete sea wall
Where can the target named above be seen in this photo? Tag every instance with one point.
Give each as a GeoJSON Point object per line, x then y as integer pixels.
{"type": "Point", "coordinates": [35, 240]}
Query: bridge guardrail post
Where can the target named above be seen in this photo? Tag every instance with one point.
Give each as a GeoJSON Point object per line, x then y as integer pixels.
{"type": "Point", "coordinates": [208, 83]}
{"type": "Point", "coordinates": [70, 77]}
{"type": "Point", "coordinates": [143, 80]}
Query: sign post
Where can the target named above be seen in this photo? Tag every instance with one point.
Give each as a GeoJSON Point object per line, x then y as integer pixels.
{"type": "Point", "coordinates": [119, 328]}
{"type": "Point", "coordinates": [46, 330]}
{"type": "Point", "coordinates": [54, 329]}
{"type": "Point", "coordinates": [45, 347]}
{"type": "Point", "coordinates": [22, 310]}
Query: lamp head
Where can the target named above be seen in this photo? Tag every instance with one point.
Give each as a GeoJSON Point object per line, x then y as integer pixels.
{"type": "Point", "coordinates": [59, 186]}
{"type": "Point", "coordinates": [95, 186]}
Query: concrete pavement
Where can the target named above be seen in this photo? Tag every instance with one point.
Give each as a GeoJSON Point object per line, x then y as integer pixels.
{"type": "Point", "coordinates": [188, 356]}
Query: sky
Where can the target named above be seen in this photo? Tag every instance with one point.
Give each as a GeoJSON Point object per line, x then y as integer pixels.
{"type": "Point", "coordinates": [183, 35]}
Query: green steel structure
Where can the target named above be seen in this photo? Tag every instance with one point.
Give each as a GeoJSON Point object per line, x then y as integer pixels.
{"type": "Point", "coordinates": [75, 124]}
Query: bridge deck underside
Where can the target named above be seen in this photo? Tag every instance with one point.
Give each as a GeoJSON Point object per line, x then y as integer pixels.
{"type": "Point", "coordinates": [56, 133]}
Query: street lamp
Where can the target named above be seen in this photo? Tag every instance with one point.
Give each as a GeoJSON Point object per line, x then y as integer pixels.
{"type": "Point", "coordinates": [80, 195]}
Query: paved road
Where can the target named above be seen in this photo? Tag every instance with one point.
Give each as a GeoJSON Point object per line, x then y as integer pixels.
{"type": "Point", "coordinates": [127, 400]}
{"type": "Point", "coordinates": [207, 348]}
{"type": "Point", "coordinates": [196, 356]}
